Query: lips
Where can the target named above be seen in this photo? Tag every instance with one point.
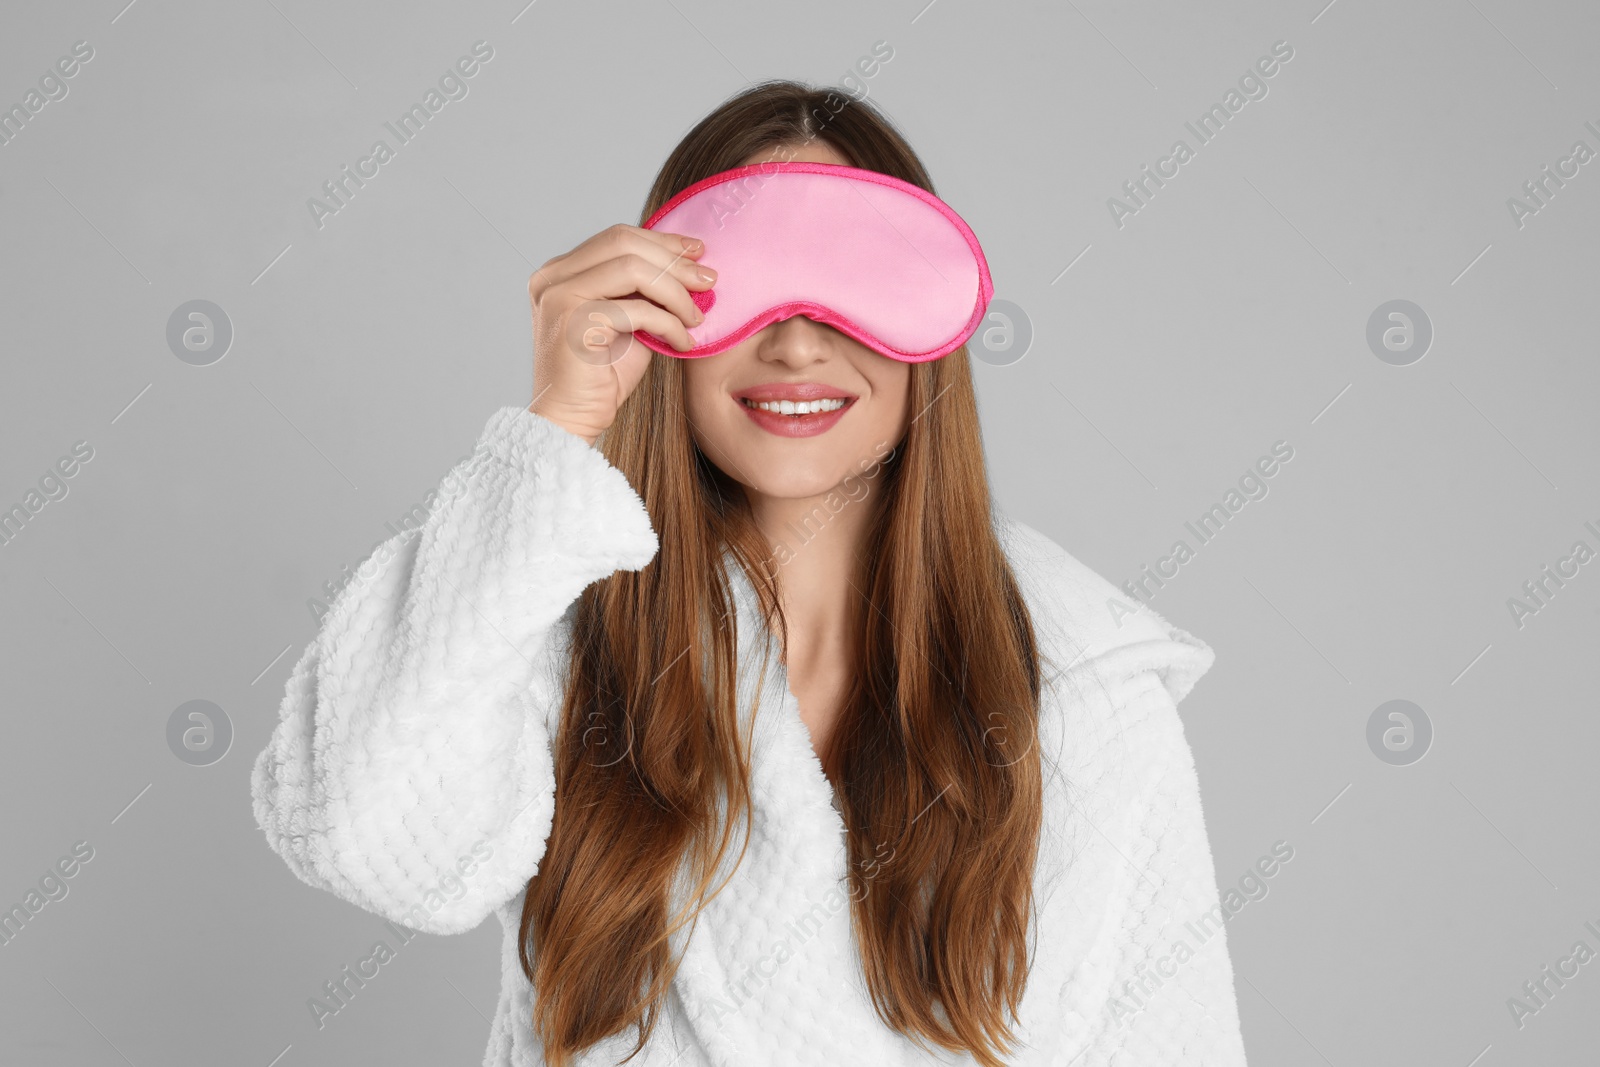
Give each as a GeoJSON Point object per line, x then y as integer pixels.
{"type": "Point", "coordinates": [789, 395]}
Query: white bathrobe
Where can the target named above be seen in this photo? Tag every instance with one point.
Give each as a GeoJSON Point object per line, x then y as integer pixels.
{"type": "Point", "coordinates": [412, 775]}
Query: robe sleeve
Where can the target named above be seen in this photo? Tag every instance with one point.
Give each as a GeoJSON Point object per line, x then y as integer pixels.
{"type": "Point", "coordinates": [411, 771]}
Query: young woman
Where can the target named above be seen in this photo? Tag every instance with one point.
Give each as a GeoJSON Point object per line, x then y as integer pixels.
{"type": "Point", "coordinates": [655, 613]}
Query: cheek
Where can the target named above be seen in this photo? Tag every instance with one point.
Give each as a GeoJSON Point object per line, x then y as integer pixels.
{"type": "Point", "coordinates": [694, 388]}
{"type": "Point", "coordinates": [702, 404]}
{"type": "Point", "coordinates": [892, 414]}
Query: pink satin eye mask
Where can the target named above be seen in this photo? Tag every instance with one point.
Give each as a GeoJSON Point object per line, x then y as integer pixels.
{"type": "Point", "coordinates": [876, 258]}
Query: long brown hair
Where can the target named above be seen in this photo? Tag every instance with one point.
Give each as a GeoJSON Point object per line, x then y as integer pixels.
{"type": "Point", "coordinates": [946, 692]}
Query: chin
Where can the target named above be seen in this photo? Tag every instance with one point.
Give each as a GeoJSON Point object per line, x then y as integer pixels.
{"type": "Point", "coordinates": [790, 480]}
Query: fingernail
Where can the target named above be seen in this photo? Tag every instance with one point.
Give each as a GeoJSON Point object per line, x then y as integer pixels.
{"type": "Point", "coordinates": [690, 244]}
{"type": "Point", "coordinates": [705, 274]}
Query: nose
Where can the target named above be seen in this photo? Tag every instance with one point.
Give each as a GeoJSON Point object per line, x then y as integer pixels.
{"type": "Point", "coordinates": [796, 341]}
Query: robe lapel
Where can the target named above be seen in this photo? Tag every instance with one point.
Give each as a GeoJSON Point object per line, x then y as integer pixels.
{"type": "Point", "coordinates": [769, 973]}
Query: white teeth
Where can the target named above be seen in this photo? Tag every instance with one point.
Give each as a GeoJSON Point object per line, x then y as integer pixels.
{"type": "Point", "coordinates": [802, 407]}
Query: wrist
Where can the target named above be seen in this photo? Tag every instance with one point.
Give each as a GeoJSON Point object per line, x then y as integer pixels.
{"type": "Point", "coordinates": [572, 426]}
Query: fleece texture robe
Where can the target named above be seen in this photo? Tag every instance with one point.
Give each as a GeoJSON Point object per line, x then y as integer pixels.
{"type": "Point", "coordinates": [411, 774]}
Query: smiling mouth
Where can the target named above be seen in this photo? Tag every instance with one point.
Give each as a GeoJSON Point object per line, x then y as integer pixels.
{"type": "Point", "coordinates": [796, 408]}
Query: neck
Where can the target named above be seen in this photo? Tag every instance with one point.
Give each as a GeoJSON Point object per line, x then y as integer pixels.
{"type": "Point", "coordinates": [813, 550]}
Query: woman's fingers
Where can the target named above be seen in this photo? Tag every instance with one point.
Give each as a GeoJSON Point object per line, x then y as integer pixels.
{"type": "Point", "coordinates": [587, 305]}
{"type": "Point", "coordinates": [596, 324]}
{"type": "Point", "coordinates": [632, 275]}
{"type": "Point", "coordinates": [656, 266]}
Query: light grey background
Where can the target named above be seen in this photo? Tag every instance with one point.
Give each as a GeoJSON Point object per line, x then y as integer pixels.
{"type": "Point", "coordinates": [1227, 314]}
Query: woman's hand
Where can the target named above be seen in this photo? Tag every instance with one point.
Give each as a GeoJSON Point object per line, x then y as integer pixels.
{"type": "Point", "coordinates": [586, 305]}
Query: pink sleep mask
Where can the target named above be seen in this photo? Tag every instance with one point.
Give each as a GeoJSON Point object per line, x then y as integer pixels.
{"type": "Point", "coordinates": [877, 258]}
